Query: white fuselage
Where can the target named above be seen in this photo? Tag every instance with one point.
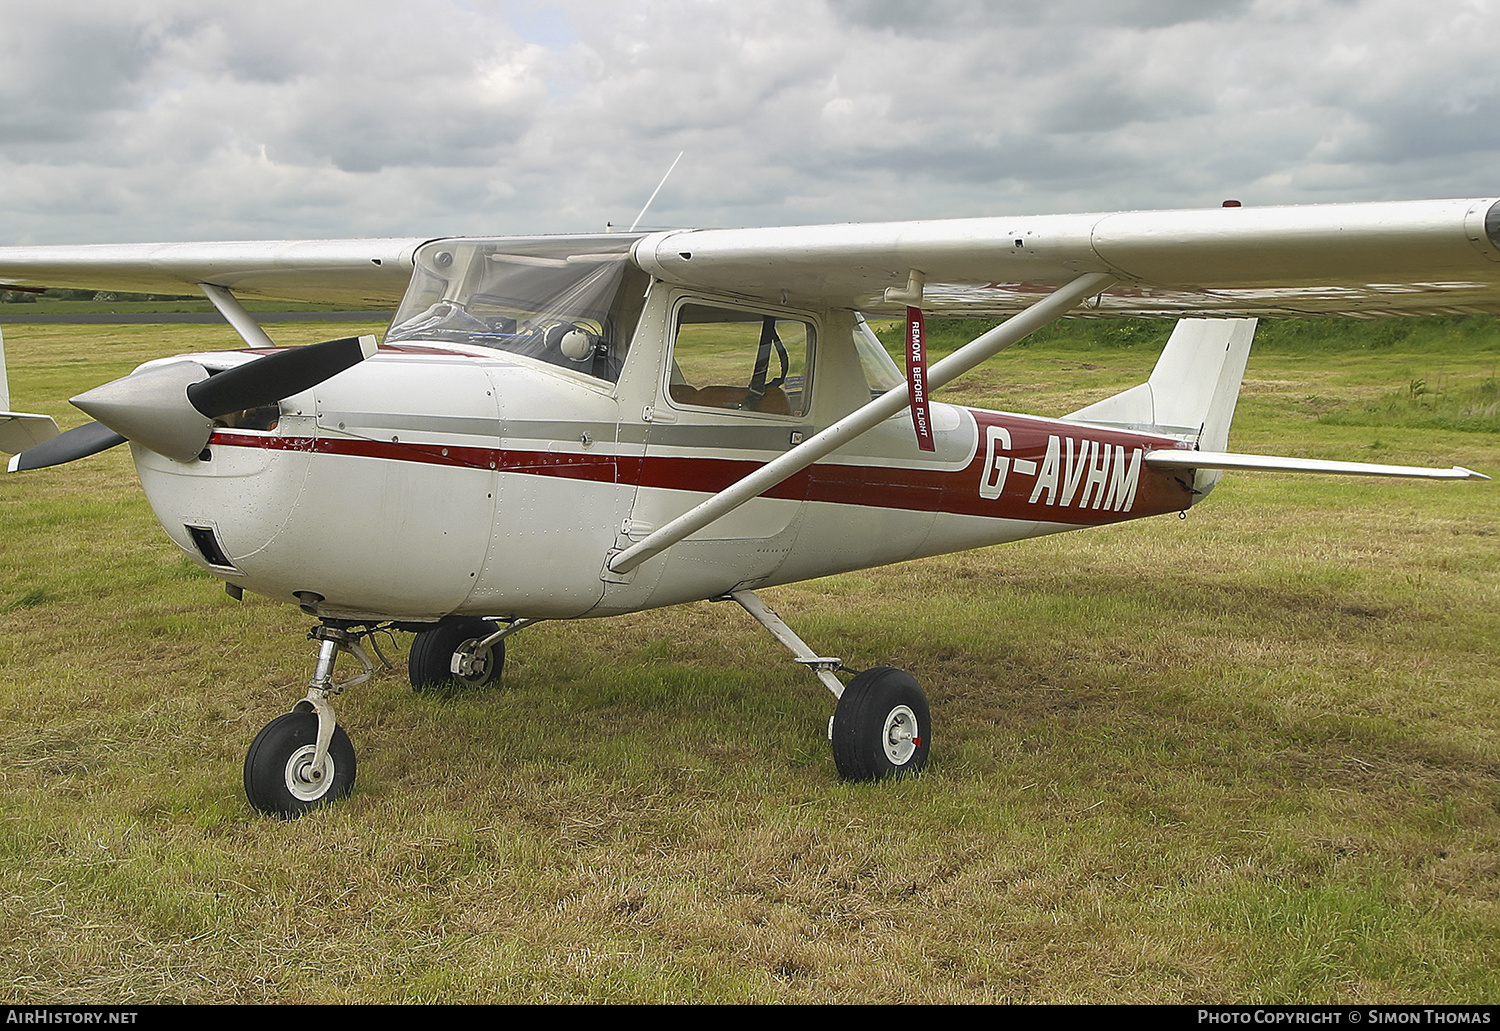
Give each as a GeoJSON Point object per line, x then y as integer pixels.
{"type": "Point", "coordinates": [432, 480]}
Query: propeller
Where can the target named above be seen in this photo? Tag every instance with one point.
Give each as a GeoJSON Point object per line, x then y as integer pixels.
{"type": "Point", "coordinates": [278, 375]}
{"type": "Point", "coordinates": [170, 409]}
{"type": "Point", "coordinates": [79, 442]}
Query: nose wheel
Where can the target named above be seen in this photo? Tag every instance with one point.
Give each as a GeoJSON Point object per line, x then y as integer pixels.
{"type": "Point", "coordinates": [282, 774]}
{"type": "Point", "coordinates": [304, 759]}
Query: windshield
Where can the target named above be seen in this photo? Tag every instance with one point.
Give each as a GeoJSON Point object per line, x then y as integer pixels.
{"type": "Point", "coordinates": [570, 301]}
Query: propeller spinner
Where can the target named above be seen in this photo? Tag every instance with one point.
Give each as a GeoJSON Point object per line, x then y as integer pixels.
{"type": "Point", "coordinates": [171, 409]}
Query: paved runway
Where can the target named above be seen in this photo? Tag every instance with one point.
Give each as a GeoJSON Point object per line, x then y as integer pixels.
{"type": "Point", "coordinates": [201, 318]}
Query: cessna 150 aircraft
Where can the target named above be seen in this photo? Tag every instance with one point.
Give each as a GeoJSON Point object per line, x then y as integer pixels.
{"type": "Point", "coordinates": [579, 426]}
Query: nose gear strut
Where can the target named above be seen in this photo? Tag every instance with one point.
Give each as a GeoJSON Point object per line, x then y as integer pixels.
{"type": "Point", "coordinates": [322, 687]}
{"type": "Point", "coordinates": [304, 759]}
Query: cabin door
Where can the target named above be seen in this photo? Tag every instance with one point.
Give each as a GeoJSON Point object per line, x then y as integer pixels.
{"type": "Point", "coordinates": [734, 394]}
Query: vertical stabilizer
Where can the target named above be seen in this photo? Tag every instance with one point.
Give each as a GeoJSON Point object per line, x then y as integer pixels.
{"type": "Point", "coordinates": [1191, 393]}
{"type": "Point", "coordinates": [4, 376]}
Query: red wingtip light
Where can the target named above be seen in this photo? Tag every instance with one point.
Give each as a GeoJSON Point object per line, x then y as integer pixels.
{"type": "Point", "coordinates": [1231, 204]}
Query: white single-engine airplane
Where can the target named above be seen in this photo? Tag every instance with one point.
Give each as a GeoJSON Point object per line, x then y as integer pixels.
{"type": "Point", "coordinates": [578, 426]}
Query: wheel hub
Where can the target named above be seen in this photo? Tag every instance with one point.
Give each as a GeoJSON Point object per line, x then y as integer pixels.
{"type": "Point", "coordinates": [472, 667]}
{"type": "Point", "coordinates": [900, 738]}
{"type": "Point", "coordinates": [307, 782]}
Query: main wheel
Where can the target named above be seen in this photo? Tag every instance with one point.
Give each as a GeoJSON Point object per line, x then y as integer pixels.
{"type": "Point", "coordinates": [430, 665]}
{"type": "Point", "coordinates": [881, 726]}
{"type": "Point", "coordinates": [280, 779]}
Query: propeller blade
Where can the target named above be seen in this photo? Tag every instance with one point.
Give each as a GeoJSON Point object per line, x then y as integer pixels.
{"type": "Point", "coordinates": [170, 408]}
{"type": "Point", "coordinates": [79, 442]}
{"type": "Point", "coordinates": [275, 376]}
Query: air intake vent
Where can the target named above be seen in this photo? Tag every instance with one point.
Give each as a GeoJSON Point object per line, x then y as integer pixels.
{"type": "Point", "coordinates": [208, 546]}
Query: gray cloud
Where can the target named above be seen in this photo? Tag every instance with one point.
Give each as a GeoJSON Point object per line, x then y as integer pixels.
{"type": "Point", "coordinates": [947, 18]}
{"type": "Point", "coordinates": [168, 119]}
{"type": "Point", "coordinates": [58, 79]}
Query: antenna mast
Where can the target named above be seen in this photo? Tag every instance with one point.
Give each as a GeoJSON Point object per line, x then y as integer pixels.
{"type": "Point", "coordinates": [656, 191]}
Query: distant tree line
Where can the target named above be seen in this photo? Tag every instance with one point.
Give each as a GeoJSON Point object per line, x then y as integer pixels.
{"type": "Point", "coordinates": [29, 296]}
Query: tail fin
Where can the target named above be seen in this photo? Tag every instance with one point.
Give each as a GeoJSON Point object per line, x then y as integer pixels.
{"type": "Point", "coordinates": [1191, 393]}
{"type": "Point", "coordinates": [19, 431]}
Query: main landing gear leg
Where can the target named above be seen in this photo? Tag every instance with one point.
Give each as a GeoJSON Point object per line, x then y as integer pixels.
{"type": "Point", "coordinates": [881, 727]}
{"type": "Point", "coordinates": [304, 760]}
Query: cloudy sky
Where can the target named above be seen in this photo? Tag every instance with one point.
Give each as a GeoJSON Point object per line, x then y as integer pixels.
{"type": "Point", "coordinates": [193, 120]}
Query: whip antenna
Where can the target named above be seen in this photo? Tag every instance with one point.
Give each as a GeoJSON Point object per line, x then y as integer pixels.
{"type": "Point", "coordinates": [656, 191]}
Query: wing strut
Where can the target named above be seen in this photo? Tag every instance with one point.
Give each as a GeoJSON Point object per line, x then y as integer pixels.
{"type": "Point", "coordinates": [1049, 309]}
{"type": "Point", "coordinates": [235, 314]}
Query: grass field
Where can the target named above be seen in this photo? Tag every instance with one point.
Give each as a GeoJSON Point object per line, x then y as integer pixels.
{"type": "Point", "coordinates": [1252, 755]}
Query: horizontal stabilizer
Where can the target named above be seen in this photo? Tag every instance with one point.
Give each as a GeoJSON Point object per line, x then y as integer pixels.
{"type": "Point", "coordinates": [1175, 459]}
{"type": "Point", "coordinates": [20, 432]}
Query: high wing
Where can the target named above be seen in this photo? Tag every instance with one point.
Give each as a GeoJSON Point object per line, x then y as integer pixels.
{"type": "Point", "coordinates": [1379, 259]}
{"type": "Point", "coordinates": [353, 272]}
{"type": "Point", "coordinates": [1370, 260]}
{"type": "Point", "coordinates": [1367, 260]}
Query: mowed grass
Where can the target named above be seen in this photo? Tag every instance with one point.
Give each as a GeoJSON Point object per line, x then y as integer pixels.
{"type": "Point", "coordinates": [1252, 755]}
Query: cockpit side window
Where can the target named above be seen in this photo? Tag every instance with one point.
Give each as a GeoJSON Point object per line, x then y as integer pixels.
{"type": "Point", "coordinates": [740, 360]}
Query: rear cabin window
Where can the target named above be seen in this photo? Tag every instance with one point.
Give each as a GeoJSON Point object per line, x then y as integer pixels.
{"type": "Point", "coordinates": [740, 360]}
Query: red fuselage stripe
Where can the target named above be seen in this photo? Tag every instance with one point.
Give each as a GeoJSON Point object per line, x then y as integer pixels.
{"type": "Point", "coordinates": [910, 488]}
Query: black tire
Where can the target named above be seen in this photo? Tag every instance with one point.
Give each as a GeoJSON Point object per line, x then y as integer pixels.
{"type": "Point", "coordinates": [873, 736]}
{"type": "Point", "coordinates": [430, 666]}
{"type": "Point", "coordinates": [276, 767]}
